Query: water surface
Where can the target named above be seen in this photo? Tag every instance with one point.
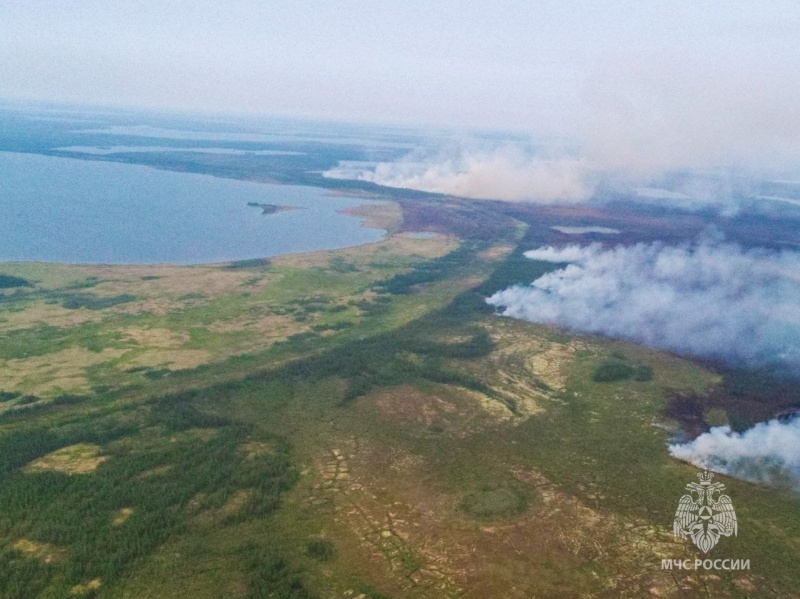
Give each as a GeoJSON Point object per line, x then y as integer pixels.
{"type": "Point", "coordinates": [102, 151]}
{"type": "Point", "coordinates": [70, 210]}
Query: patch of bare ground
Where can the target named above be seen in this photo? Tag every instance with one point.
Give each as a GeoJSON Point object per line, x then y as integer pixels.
{"type": "Point", "coordinates": [363, 255]}
{"type": "Point", "coordinates": [82, 458]}
{"type": "Point", "coordinates": [276, 327]}
{"type": "Point", "coordinates": [378, 216]}
{"type": "Point", "coordinates": [203, 435]}
{"type": "Point", "coordinates": [158, 471]}
{"type": "Point", "coordinates": [497, 410]}
{"type": "Point", "coordinates": [143, 281]}
{"type": "Point", "coordinates": [496, 252]}
{"type": "Point", "coordinates": [170, 281]}
{"type": "Point", "coordinates": [235, 504]}
{"type": "Point", "coordinates": [122, 516]}
{"type": "Point", "coordinates": [87, 588]}
{"type": "Point", "coordinates": [466, 283]}
{"type": "Point", "coordinates": [160, 290]}
{"type": "Point", "coordinates": [549, 364]}
{"type": "Point", "coordinates": [256, 449]}
{"type": "Point", "coordinates": [434, 247]}
{"type": "Point", "coordinates": [356, 193]}
{"type": "Point", "coordinates": [172, 359]}
{"type": "Point", "coordinates": [48, 314]}
{"type": "Point", "coordinates": [163, 348]}
{"type": "Point", "coordinates": [443, 409]}
{"type": "Point", "coordinates": [44, 552]}
{"type": "Point", "coordinates": [544, 359]}
{"type": "Point", "coordinates": [525, 371]}
{"type": "Point", "coordinates": [408, 404]}
{"type": "Point", "coordinates": [156, 337]}
{"type": "Point", "coordinates": [56, 372]}
{"type": "Point", "coordinates": [212, 516]}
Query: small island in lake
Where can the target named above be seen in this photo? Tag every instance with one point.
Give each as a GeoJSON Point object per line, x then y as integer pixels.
{"type": "Point", "coordinates": [273, 208]}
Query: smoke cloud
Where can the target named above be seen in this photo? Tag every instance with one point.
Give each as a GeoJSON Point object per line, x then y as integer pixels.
{"type": "Point", "coordinates": [711, 300]}
{"type": "Point", "coordinates": [768, 452]}
{"type": "Point", "coordinates": [523, 172]}
{"type": "Point", "coordinates": [682, 128]}
{"type": "Point", "coordinates": [505, 172]}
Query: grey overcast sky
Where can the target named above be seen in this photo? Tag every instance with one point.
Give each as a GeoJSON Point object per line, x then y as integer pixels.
{"type": "Point", "coordinates": [725, 72]}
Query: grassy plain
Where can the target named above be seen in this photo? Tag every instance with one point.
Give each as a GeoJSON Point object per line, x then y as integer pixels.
{"type": "Point", "coordinates": [347, 424]}
{"type": "Point", "coordinates": [78, 329]}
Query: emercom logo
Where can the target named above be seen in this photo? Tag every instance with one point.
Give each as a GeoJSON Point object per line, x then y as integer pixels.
{"type": "Point", "coordinates": [705, 514]}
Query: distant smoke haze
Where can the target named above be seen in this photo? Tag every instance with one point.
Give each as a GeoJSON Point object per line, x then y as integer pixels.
{"type": "Point", "coordinates": [712, 300]}
{"type": "Point", "coordinates": [640, 120]}
{"type": "Point", "coordinates": [653, 113]}
{"type": "Point", "coordinates": [504, 172]}
{"type": "Point", "coordinates": [643, 88]}
{"type": "Point", "coordinates": [513, 171]}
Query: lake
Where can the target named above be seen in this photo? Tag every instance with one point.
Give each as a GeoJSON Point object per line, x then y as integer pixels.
{"type": "Point", "coordinates": [81, 211]}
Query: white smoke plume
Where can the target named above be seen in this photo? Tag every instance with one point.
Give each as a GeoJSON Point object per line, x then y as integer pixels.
{"type": "Point", "coordinates": [712, 300]}
{"type": "Point", "coordinates": [517, 171]}
{"type": "Point", "coordinates": [768, 452]}
{"type": "Point", "coordinates": [502, 172]}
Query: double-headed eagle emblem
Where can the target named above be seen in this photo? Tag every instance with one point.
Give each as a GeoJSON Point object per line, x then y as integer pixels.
{"type": "Point", "coordinates": [705, 514]}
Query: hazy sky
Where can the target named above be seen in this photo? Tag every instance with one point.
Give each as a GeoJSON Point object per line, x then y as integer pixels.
{"type": "Point", "coordinates": [727, 70]}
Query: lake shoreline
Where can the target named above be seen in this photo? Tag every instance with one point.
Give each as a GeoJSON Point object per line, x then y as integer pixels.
{"type": "Point", "coordinates": [100, 212]}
